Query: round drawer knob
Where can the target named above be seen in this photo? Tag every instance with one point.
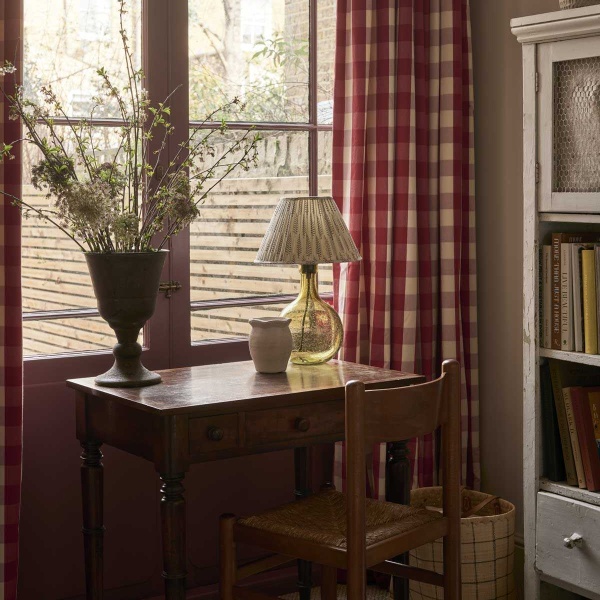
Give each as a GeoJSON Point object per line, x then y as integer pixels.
{"type": "Point", "coordinates": [215, 434]}
{"type": "Point", "coordinates": [573, 541]}
{"type": "Point", "coordinates": [302, 424]}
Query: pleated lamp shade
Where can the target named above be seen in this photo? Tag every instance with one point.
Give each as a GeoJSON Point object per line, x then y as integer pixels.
{"type": "Point", "coordinates": [307, 231]}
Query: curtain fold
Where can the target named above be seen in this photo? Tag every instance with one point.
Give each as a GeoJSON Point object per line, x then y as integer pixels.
{"type": "Point", "coordinates": [403, 177]}
{"type": "Point", "coordinates": [11, 354]}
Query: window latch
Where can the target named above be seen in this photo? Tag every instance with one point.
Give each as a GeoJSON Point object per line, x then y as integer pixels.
{"type": "Point", "coordinates": [168, 287]}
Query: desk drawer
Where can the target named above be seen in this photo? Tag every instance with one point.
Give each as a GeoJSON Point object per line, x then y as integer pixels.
{"type": "Point", "coordinates": [559, 518]}
{"type": "Point", "coordinates": [294, 423]}
{"type": "Point", "coordinates": [208, 434]}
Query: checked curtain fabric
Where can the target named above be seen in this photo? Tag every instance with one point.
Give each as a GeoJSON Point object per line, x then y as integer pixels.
{"type": "Point", "coordinates": [11, 372]}
{"type": "Point", "coordinates": [403, 176]}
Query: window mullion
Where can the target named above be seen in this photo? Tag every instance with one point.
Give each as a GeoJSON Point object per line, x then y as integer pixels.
{"type": "Point", "coordinates": [313, 136]}
{"type": "Point", "coordinates": [168, 67]}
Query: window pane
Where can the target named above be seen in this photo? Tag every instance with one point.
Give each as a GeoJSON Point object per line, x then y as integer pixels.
{"type": "Point", "coordinates": [325, 59]}
{"type": "Point", "coordinates": [66, 335]}
{"type": "Point", "coordinates": [54, 272]}
{"type": "Point", "coordinates": [66, 42]}
{"type": "Point", "coordinates": [324, 163]}
{"type": "Point", "coordinates": [230, 322]}
{"type": "Point", "coordinates": [235, 216]}
{"type": "Point", "coordinates": [55, 275]}
{"type": "Point", "coordinates": [256, 50]}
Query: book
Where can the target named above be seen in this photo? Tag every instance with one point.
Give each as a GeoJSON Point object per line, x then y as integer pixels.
{"type": "Point", "coordinates": [555, 337]}
{"type": "Point", "coordinates": [568, 374]}
{"type": "Point", "coordinates": [597, 281]}
{"type": "Point", "coordinates": [588, 278]}
{"type": "Point", "coordinates": [546, 303]}
{"type": "Point", "coordinates": [594, 401]}
{"type": "Point", "coordinates": [552, 454]}
{"type": "Point", "coordinates": [556, 378]}
{"type": "Point", "coordinates": [566, 299]}
{"type": "Point", "coordinates": [566, 394]}
{"type": "Point", "coordinates": [585, 433]}
{"type": "Point", "coordinates": [577, 299]}
{"type": "Point", "coordinates": [560, 279]}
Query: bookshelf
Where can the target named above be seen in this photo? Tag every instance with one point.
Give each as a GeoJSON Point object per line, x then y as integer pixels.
{"type": "Point", "coordinates": [578, 357]}
{"type": "Point", "coordinates": [569, 491]}
{"type": "Point", "coordinates": [561, 79]}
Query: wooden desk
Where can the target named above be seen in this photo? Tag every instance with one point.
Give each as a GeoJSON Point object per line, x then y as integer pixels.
{"type": "Point", "coordinates": [208, 413]}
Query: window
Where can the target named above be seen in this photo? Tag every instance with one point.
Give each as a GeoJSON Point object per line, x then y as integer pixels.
{"type": "Point", "coordinates": [56, 284]}
{"type": "Point", "coordinates": [277, 57]}
{"type": "Point", "coordinates": [256, 20]}
{"type": "Point", "coordinates": [281, 84]}
{"type": "Point", "coordinates": [95, 19]}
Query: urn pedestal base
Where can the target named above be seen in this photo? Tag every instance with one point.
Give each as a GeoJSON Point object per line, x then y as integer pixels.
{"type": "Point", "coordinates": [128, 371]}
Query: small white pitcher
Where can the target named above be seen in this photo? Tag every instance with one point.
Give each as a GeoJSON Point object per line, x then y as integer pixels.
{"type": "Point", "coordinates": [270, 344]}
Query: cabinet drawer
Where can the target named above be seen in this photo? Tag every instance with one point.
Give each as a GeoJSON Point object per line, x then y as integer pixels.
{"type": "Point", "coordinates": [209, 434]}
{"type": "Point", "coordinates": [294, 423]}
{"type": "Point", "coordinates": [559, 518]}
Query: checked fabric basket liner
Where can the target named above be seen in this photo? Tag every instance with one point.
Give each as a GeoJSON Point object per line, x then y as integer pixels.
{"type": "Point", "coordinates": [487, 548]}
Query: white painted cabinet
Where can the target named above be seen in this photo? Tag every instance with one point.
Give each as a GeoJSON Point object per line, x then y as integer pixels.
{"type": "Point", "coordinates": [561, 185]}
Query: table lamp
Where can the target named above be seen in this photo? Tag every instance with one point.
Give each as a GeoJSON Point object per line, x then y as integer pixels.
{"type": "Point", "coordinates": [307, 231]}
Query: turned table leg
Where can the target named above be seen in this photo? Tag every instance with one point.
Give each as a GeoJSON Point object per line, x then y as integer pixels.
{"type": "Point", "coordinates": [172, 512]}
{"type": "Point", "coordinates": [397, 489]}
{"type": "Point", "coordinates": [302, 485]}
{"type": "Point", "coordinates": [92, 494]}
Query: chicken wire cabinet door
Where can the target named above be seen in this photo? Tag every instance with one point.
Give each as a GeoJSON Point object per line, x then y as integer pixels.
{"type": "Point", "coordinates": [569, 128]}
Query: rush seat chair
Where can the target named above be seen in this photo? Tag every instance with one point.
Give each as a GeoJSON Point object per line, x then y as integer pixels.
{"type": "Point", "coordinates": [347, 530]}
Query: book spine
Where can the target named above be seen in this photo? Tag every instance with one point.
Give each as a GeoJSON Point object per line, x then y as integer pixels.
{"type": "Point", "coordinates": [597, 282]}
{"type": "Point", "coordinates": [566, 291]}
{"type": "Point", "coordinates": [587, 442]}
{"type": "Point", "coordinates": [552, 455]}
{"type": "Point", "coordinates": [594, 402]}
{"type": "Point", "coordinates": [588, 278]}
{"type": "Point", "coordinates": [577, 305]}
{"type": "Point", "coordinates": [566, 394]}
{"type": "Point", "coordinates": [563, 426]}
{"type": "Point", "coordinates": [546, 296]}
{"type": "Point", "coordinates": [555, 340]}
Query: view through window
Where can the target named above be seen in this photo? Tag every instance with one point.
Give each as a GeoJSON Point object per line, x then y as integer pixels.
{"type": "Point", "coordinates": [276, 56]}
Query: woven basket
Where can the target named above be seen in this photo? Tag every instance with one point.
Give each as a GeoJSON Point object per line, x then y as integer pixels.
{"type": "Point", "coordinates": [564, 4]}
{"type": "Point", "coordinates": [487, 548]}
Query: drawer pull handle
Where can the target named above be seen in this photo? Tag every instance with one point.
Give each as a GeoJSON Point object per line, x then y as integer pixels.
{"type": "Point", "coordinates": [302, 424]}
{"type": "Point", "coordinates": [214, 434]}
{"type": "Point", "coordinates": [574, 541]}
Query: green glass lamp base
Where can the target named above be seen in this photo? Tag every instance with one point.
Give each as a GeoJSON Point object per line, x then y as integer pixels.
{"type": "Point", "coordinates": [316, 328]}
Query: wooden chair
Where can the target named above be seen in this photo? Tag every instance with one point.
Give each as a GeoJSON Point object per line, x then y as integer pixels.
{"type": "Point", "coordinates": [348, 531]}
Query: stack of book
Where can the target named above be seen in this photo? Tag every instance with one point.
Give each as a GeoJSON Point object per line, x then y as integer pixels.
{"type": "Point", "coordinates": [570, 279]}
{"type": "Point", "coordinates": [570, 398]}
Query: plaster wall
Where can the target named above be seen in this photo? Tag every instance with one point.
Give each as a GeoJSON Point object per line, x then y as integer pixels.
{"type": "Point", "coordinates": [498, 148]}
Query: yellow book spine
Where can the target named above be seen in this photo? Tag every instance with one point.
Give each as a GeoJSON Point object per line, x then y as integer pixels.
{"type": "Point", "coordinates": [588, 277]}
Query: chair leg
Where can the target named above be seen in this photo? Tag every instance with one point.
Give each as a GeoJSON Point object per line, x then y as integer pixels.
{"type": "Point", "coordinates": [228, 566]}
{"type": "Point", "coordinates": [452, 568]}
{"type": "Point", "coordinates": [328, 583]}
{"type": "Point", "coordinates": [356, 583]}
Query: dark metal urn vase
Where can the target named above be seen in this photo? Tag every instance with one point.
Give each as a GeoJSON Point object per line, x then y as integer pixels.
{"type": "Point", "coordinates": [126, 287]}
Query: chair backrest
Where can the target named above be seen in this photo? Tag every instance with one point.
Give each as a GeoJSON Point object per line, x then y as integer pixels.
{"type": "Point", "coordinates": [401, 414]}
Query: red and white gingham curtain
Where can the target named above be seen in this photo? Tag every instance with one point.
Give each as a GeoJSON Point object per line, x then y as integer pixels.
{"type": "Point", "coordinates": [403, 177]}
{"type": "Point", "coordinates": [11, 367]}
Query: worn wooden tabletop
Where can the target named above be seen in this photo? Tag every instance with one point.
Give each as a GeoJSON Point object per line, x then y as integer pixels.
{"type": "Point", "coordinates": [231, 387]}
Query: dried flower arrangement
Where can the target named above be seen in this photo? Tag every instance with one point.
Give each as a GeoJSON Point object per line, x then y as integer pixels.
{"type": "Point", "coordinates": [128, 203]}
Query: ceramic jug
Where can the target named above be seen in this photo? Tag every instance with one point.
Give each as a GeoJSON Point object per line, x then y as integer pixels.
{"type": "Point", "coordinates": [270, 344]}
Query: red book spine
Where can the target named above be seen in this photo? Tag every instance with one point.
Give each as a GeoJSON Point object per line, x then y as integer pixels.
{"type": "Point", "coordinates": [555, 283]}
{"type": "Point", "coordinates": [587, 440]}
